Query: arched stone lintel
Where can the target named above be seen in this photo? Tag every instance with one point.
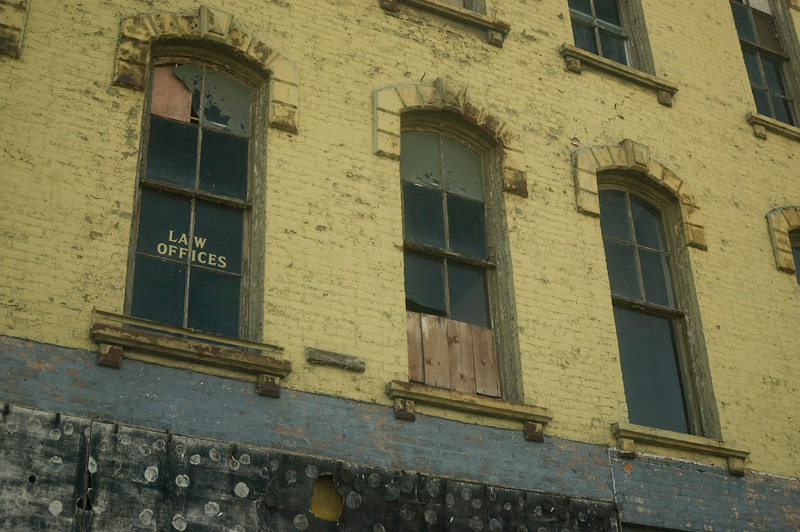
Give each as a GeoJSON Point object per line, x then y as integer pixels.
{"type": "Point", "coordinates": [633, 156]}
{"type": "Point", "coordinates": [137, 33]}
{"type": "Point", "coordinates": [780, 222]}
{"type": "Point", "coordinates": [389, 103]}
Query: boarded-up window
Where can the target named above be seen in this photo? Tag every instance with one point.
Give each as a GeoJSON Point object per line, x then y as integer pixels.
{"type": "Point", "coordinates": [451, 344]}
{"type": "Point", "coordinates": [189, 253]}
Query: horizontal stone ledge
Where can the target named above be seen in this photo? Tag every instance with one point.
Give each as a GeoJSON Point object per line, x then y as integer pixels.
{"type": "Point", "coordinates": [168, 345]}
{"type": "Point", "coordinates": [465, 402]}
{"type": "Point", "coordinates": [761, 124]}
{"type": "Point", "coordinates": [576, 58]}
{"type": "Point", "coordinates": [628, 435]}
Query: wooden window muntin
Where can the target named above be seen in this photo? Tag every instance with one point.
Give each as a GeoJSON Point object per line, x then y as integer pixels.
{"type": "Point", "coordinates": [598, 26]}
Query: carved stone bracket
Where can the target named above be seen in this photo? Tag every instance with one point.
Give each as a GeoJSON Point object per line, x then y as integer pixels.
{"type": "Point", "coordinates": [138, 32]}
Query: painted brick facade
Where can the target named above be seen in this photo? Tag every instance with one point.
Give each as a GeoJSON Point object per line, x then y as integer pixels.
{"type": "Point", "coordinates": [70, 140]}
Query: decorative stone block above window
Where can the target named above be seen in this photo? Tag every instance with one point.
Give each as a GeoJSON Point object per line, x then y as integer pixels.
{"type": "Point", "coordinates": [784, 224]}
{"type": "Point", "coordinates": [576, 59]}
{"type": "Point", "coordinates": [140, 31]}
{"type": "Point", "coordinates": [13, 15]}
{"type": "Point", "coordinates": [629, 436]}
{"type": "Point", "coordinates": [632, 156]}
{"type": "Point", "coordinates": [449, 96]}
{"type": "Point", "coordinates": [470, 12]}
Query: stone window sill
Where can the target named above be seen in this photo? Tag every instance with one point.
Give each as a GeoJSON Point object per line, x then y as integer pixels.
{"type": "Point", "coordinates": [576, 59]}
{"type": "Point", "coordinates": [761, 124]}
{"type": "Point", "coordinates": [120, 336]}
{"type": "Point", "coordinates": [496, 31]}
{"type": "Point", "coordinates": [628, 435]}
{"type": "Point", "coordinates": [407, 394]}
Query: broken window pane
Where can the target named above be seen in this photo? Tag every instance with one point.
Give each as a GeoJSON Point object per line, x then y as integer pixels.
{"type": "Point", "coordinates": [192, 77]}
{"type": "Point", "coordinates": [423, 217]}
{"type": "Point", "coordinates": [468, 299]}
{"type": "Point", "coordinates": [420, 161]}
{"type": "Point", "coordinates": [462, 169]}
{"type": "Point", "coordinates": [172, 152]}
{"type": "Point", "coordinates": [650, 371]}
{"type": "Point", "coordinates": [227, 104]}
{"type": "Point", "coordinates": [171, 98]}
{"type": "Point", "coordinates": [424, 281]}
{"type": "Point", "coordinates": [223, 164]}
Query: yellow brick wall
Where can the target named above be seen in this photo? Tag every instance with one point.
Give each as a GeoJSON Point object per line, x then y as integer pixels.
{"type": "Point", "coordinates": [334, 274]}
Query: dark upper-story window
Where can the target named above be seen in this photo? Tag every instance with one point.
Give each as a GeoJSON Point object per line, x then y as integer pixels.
{"type": "Point", "coordinates": [189, 259]}
{"type": "Point", "coordinates": [766, 59]}
{"type": "Point", "coordinates": [473, 5]}
{"type": "Point", "coordinates": [648, 317]}
{"type": "Point", "coordinates": [598, 26]}
{"type": "Point", "coordinates": [794, 238]}
{"type": "Point", "coordinates": [447, 264]}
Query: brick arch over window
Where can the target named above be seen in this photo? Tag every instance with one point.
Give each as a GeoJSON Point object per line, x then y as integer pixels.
{"type": "Point", "coordinates": [137, 33]}
{"type": "Point", "coordinates": [630, 156]}
{"type": "Point", "coordinates": [449, 96]}
{"type": "Point", "coordinates": [781, 221]}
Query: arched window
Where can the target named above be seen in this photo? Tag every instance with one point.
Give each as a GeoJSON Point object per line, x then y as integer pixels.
{"type": "Point", "coordinates": [450, 220]}
{"type": "Point", "coordinates": [649, 315]}
{"type": "Point", "coordinates": [191, 241]}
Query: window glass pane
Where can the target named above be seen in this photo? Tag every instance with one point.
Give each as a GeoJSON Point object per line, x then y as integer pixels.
{"type": "Point", "coordinates": [613, 47]}
{"type": "Point", "coordinates": [466, 221]}
{"type": "Point", "coordinates": [796, 255]}
{"type": "Point", "coordinates": [582, 6]}
{"type": "Point", "coordinates": [462, 169]}
{"type": "Point", "coordinates": [423, 217]}
{"type": "Point", "coordinates": [192, 77]}
{"type": "Point", "coordinates": [164, 225]}
{"type": "Point", "coordinates": [170, 97]}
{"type": "Point", "coordinates": [476, 5]}
{"type": "Point", "coordinates": [468, 301]}
{"type": "Point", "coordinates": [158, 290]}
{"type": "Point", "coordinates": [753, 72]}
{"type": "Point", "coordinates": [782, 110]}
{"type": "Point", "coordinates": [171, 151]}
{"type": "Point", "coordinates": [760, 5]}
{"type": "Point", "coordinates": [767, 32]}
{"type": "Point", "coordinates": [607, 11]}
{"type": "Point", "coordinates": [614, 215]}
{"type": "Point", "coordinates": [227, 104]}
{"type": "Point", "coordinates": [656, 277]}
{"type": "Point", "coordinates": [622, 274]}
{"type": "Point", "coordinates": [424, 284]}
{"type": "Point", "coordinates": [223, 164]}
{"type": "Point", "coordinates": [217, 239]}
{"type": "Point", "coordinates": [774, 74]}
{"type": "Point", "coordinates": [419, 159]}
{"type": "Point", "coordinates": [584, 37]}
{"type": "Point", "coordinates": [762, 102]}
{"type": "Point", "coordinates": [650, 371]}
{"type": "Point", "coordinates": [647, 224]}
{"type": "Point", "coordinates": [214, 302]}
{"type": "Point", "coordinates": [744, 26]}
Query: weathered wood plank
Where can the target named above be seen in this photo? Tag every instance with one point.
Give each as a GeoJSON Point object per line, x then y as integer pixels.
{"type": "Point", "coordinates": [434, 351]}
{"type": "Point", "coordinates": [487, 380]}
{"type": "Point", "coordinates": [461, 357]}
{"type": "Point", "coordinates": [339, 360]}
{"type": "Point", "coordinates": [170, 98]}
{"type": "Point", "coordinates": [416, 368]}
